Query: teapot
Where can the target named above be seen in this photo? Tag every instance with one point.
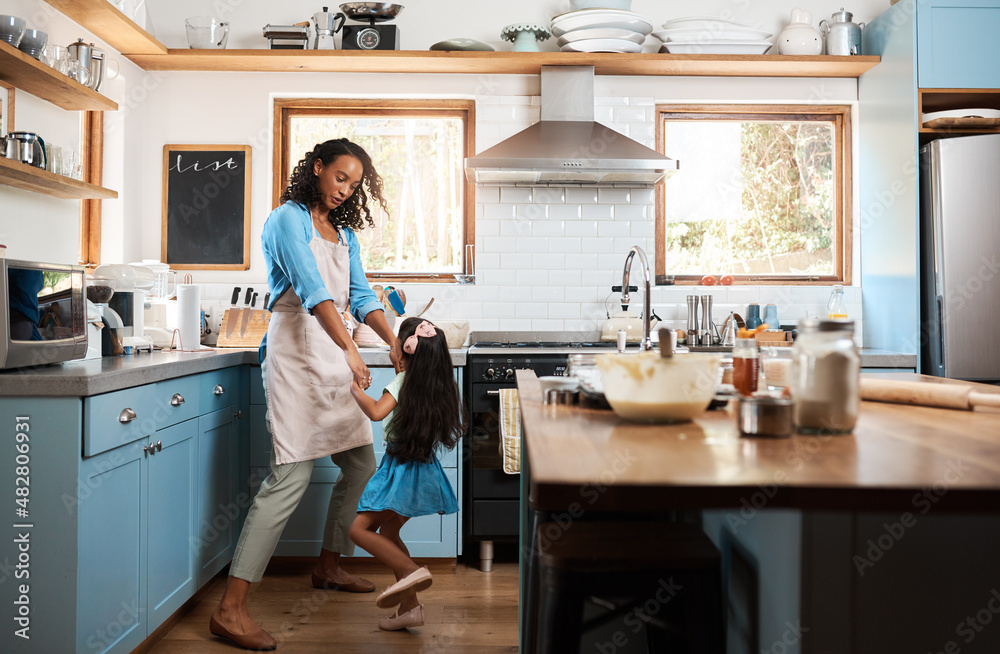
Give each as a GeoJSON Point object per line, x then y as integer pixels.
{"type": "Point", "coordinates": [628, 321]}
{"type": "Point", "coordinates": [842, 36]}
{"type": "Point", "coordinates": [799, 37]}
{"type": "Point", "coordinates": [26, 147]}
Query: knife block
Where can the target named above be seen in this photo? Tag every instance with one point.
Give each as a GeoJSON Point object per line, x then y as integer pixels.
{"type": "Point", "coordinates": [256, 328]}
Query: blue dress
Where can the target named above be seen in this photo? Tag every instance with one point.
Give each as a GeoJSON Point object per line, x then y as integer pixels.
{"type": "Point", "coordinates": [411, 488]}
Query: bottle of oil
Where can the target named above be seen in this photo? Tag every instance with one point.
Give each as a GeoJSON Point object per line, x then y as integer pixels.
{"type": "Point", "coordinates": [835, 307]}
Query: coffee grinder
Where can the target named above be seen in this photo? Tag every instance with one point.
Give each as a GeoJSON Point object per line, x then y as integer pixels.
{"type": "Point", "coordinates": [371, 36]}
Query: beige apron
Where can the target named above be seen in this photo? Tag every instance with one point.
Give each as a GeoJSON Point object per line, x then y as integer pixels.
{"type": "Point", "coordinates": [308, 380]}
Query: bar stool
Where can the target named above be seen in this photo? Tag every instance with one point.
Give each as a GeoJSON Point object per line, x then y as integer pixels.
{"type": "Point", "coordinates": [669, 573]}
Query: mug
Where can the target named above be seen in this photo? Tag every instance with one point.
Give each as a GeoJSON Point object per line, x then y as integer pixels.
{"type": "Point", "coordinates": [12, 29]}
{"type": "Point", "coordinates": [33, 42]}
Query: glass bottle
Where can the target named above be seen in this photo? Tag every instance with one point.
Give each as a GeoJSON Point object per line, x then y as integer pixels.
{"type": "Point", "coordinates": [825, 373]}
{"type": "Point", "coordinates": [835, 307]}
{"type": "Point", "coordinates": [753, 316]}
{"type": "Point", "coordinates": [746, 365]}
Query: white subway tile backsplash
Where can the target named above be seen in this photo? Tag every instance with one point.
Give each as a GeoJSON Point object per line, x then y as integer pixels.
{"type": "Point", "coordinates": [514, 325]}
{"type": "Point", "coordinates": [642, 102]}
{"type": "Point", "coordinates": [565, 212]}
{"type": "Point", "coordinates": [595, 246]}
{"type": "Point", "coordinates": [487, 260]}
{"type": "Point", "coordinates": [564, 278]}
{"type": "Point", "coordinates": [548, 293]}
{"type": "Point", "coordinates": [497, 244]}
{"type": "Point", "coordinates": [486, 325]}
{"type": "Point", "coordinates": [531, 277]}
{"type": "Point", "coordinates": [642, 132]}
{"type": "Point", "coordinates": [465, 310]}
{"type": "Point", "coordinates": [487, 194]}
{"type": "Point", "coordinates": [548, 195]}
{"type": "Point", "coordinates": [515, 194]}
{"type": "Point", "coordinates": [499, 211]}
{"type": "Point", "coordinates": [610, 101]}
{"type": "Point", "coordinates": [630, 211]}
{"type": "Point", "coordinates": [567, 244]}
{"type": "Point", "coordinates": [586, 293]}
{"type": "Point", "coordinates": [612, 229]}
{"type": "Point", "coordinates": [604, 115]}
{"type": "Point", "coordinates": [644, 196]}
{"type": "Point", "coordinates": [511, 294]}
{"type": "Point", "coordinates": [498, 277]}
{"type": "Point", "coordinates": [598, 211]}
{"type": "Point", "coordinates": [533, 245]}
{"type": "Point", "coordinates": [532, 211]}
{"type": "Point", "coordinates": [515, 227]}
{"type": "Point", "coordinates": [527, 113]}
{"type": "Point", "coordinates": [564, 310]}
{"type": "Point", "coordinates": [499, 309]}
{"type": "Point", "coordinates": [643, 229]}
{"type": "Point", "coordinates": [548, 228]}
{"type": "Point", "coordinates": [482, 293]}
{"type": "Point", "coordinates": [625, 114]}
{"type": "Point", "coordinates": [580, 228]}
{"type": "Point", "coordinates": [550, 261]}
{"type": "Point", "coordinates": [584, 195]}
{"type": "Point", "coordinates": [542, 325]}
{"type": "Point", "coordinates": [515, 261]}
{"type": "Point", "coordinates": [531, 310]}
{"type": "Point", "coordinates": [613, 195]}
{"type": "Point", "coordinates": [497, 113]}
{"type": "Point", "coordinates": [488, 227]}
{"type": "Point", "coordinates": [743, 295]}
{"type": "Point", "coordinates": [600, 279]}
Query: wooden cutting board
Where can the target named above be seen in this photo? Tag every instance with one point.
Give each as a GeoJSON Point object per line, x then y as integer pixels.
{"type": "Point", "coordinates": [256, 328]}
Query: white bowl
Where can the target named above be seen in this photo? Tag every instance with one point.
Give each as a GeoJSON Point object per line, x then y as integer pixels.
{"type": "Point", "coordinates": [576, 5]}
{"type": "Point", "coordinates": [645, 387]}
{"type": "Point", "coordinates": [455, 331]}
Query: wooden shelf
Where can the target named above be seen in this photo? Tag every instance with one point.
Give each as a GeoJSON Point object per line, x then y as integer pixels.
{"type": "Point", "coordinates": [38, 180]}
{"type": "Point", "coordinates": [418, 61]}
{"type": "Point", "coordinates": [111, 25]}
{"type": "Point", "coordinates": [32, 76]}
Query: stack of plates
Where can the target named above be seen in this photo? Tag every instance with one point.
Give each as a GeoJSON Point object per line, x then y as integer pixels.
{"type": "Point", "coordinates": [710, 35]}
{"type": "Point", "coordinates": [601, 30]}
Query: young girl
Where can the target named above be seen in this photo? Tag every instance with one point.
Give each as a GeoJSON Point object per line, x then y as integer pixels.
{"type": "Point", "coordinates": [424, 410]}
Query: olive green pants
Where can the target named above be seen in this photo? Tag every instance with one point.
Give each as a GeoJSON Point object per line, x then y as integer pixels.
{"type": "Point", "coordinates": [282, 491]}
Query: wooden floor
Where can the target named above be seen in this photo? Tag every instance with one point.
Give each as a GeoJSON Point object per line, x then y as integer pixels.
{"type": "Point", "coordinates": [466, 611]}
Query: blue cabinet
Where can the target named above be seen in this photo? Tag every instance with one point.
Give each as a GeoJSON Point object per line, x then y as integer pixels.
{"type": "Point", "coordinates": [957, 44]}
{"type": "Point", "coordinates": [428, 536]}
{"type": "Point", "coordinates": [218, 511]}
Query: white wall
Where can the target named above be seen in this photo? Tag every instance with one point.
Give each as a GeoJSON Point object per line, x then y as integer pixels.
{"type": "Point", "coordinates": [531, 274]}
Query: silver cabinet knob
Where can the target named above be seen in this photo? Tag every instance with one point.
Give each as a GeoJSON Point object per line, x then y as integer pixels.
{"type": "Point", "coordinates": [151, 448]}
{"type": "Point", "coordinates": [159, 446]}
{"type": "Point", "coordinates": [145, 449]}
{"type": "Point", "coordinates": [238, 415]}
{"type": "Point", "coordinates": [177, 400]}
{"type": "Point", "coordinates": [219, 390]}
{"type": "Point", "coordinates": [126, 416]}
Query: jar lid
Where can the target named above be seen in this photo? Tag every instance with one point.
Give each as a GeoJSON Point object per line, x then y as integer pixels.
{"type": "Point", "coordinates": [826, 325]}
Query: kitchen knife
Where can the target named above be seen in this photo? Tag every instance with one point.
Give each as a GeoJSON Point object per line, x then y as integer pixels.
{"type": "Point", "coordinates": [263, 307]}
{"type": "Point", "coordinates": [233, 311]}
{"type": "Point", "coordinates": [247, 312]}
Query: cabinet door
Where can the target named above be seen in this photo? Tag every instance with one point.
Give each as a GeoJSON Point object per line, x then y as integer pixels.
{"type": "Point", "coordinates": [957, 44]}
{"type": "Point", "coordinates": [170, 515]}
{"type": "Point", "coordinates": [112, 550]}
{"type": "Point", "coordinates": [218, 488]}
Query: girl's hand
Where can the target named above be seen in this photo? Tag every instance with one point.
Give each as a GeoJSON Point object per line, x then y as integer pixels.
{"type": "Point", "coordinates": [394, 349]}
{"type": "Point", "coordinates": [362, 376]}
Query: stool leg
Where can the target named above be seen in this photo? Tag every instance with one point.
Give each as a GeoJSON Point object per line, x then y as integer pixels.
{"type": "Point", "coordinates": [561, 615]}
{"type": "Point", "coordinates": [529, 622]}
{"type": "Point", "coordinates": [704, 613]}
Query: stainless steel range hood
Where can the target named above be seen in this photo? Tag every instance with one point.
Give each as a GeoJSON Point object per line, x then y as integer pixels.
{"type": "Point", "coordinates": [567, 146]}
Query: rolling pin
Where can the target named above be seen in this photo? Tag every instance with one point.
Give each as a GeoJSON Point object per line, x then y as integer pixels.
{"type": "Point", "coordinates": [945, 396]}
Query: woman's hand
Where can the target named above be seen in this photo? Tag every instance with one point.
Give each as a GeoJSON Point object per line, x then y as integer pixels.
{"type": "Point", "coordinates": [362, 376]}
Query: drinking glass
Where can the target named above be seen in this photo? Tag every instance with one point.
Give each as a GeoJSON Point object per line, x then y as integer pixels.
{"type": "Point", "coordinates": [776, 365]}
{"type": "Point", "coordinates": [206, 32]}
{"type": "Point", "coordinates": [77, 71]}
{"type": "Point", "coordinates": [56, 57]}
{"type": "Point", "coordinates": [54, 162]}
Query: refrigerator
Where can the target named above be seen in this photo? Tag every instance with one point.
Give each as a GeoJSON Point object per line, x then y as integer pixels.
{"type": "Point", "coordinates": [960, 257]}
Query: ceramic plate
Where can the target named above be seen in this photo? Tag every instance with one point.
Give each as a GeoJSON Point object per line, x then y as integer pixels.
{"type": "Point", "coordinates": [601, 33]}
{"type": "Point", "coordinates": [703, 22]}
{"type": "Point", "coordinates": [590, 18]}
{"type": "Point", "coordinates": [719, 33]}
{"type": "Point", "coordinates": [602, 45]}
{"type": "Point", "coordinates": [468, 45]}
{"type": "Point", "coordinates": [718, 47]}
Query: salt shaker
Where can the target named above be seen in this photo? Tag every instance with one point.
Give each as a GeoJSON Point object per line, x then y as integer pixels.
{"type": "Point", "coordinates": [825, 377]}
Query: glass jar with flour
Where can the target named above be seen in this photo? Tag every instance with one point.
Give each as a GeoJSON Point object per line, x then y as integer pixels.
{"type": "Point", "coordinates": [825, 373]}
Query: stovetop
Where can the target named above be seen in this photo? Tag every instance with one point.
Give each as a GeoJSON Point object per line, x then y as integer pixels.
{"type": "Point", "coordinates": [515, 348]}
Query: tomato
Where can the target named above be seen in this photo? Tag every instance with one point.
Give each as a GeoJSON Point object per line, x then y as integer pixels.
{"type": "Point", "coordinates": [708, 280]}
{"type": "Point", "coordinates": [726, 280]}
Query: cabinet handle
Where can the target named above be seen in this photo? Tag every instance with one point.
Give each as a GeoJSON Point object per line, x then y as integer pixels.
{"type": "Point", "coordinates": [126, 416]}
{"type": "Point", "coordinates": [219, 390]}
{"type": "Point", "coordinates": [145, 449]}
{"type": "Point", "coordinates": [238, 415]}
{"type": "Point", "coordinates": [159, 446]}
{"type": "Point", "coordinates": [177, 400]}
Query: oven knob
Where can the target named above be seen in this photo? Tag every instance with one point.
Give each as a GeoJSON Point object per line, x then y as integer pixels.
{"type": "Point", "coordinates": [510, 373]}
{"type": "Point", "coordinates": [489, 374]}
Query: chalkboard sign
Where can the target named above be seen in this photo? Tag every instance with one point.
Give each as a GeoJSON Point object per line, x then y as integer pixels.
{"type": "Point", "coordinates": [206, 207]}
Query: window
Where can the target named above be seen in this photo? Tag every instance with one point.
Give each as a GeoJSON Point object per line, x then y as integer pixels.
{"type": "Point", "coordinates": [419, 149]}
{"type": "Point", "coordinates": [763, 194]}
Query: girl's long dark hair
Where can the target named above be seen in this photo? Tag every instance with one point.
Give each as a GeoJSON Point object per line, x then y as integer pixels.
{"type": "Point", "coordinates": [429, 410]}
{"type": "Point", "coordinates": [353, 212]}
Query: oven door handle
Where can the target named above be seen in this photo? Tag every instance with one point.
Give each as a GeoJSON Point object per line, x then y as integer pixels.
{"type": "Point", "coordinates": [494, 392]}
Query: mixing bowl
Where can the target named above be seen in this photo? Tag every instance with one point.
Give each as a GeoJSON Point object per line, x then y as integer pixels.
{"type": "Point", "coordinates": [645, 387]}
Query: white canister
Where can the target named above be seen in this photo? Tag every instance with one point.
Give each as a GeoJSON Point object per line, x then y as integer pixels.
{"type": "Point", "coordinates": [799, 37]}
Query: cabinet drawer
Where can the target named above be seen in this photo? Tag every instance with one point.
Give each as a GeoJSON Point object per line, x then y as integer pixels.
{"type": "Point", "coordinates": [177, 399]}
{"type": "Point", "coordinates": [108, 420]}
{"type": "Point", "coordinates": [956, 41]}
{"type": "Point", "coordinates": [219, 389]}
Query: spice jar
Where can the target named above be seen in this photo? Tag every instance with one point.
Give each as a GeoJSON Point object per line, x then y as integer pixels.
{"type": "Point", "coordinates": [746, 365]}
{"type": "Point", "coordinates": [825, 373]}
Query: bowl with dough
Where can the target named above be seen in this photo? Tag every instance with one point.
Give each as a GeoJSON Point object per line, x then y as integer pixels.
{"type": "Point", "coordinates": [455, 331]}
{"type": "Point", "coordinates": [645, 387]}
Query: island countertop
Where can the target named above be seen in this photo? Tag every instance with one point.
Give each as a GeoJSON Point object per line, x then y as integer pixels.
{"type": "Point", "coordinates": [596, 459]}
{"type": "Point", "coordinates": [96, 376]}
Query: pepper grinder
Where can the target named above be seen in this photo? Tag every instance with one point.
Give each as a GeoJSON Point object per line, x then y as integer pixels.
{"type": "Point", "coordinates": [705, 327]}
{"type": "Point", "coordinates": [692, 322]}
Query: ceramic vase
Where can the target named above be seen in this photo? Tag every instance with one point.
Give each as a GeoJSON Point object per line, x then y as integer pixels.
{"type": "Point", "coordinates": [799, 37]}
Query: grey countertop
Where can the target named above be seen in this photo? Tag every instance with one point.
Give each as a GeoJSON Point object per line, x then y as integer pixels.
{"type": "Point", "coordinates": [96, 376]}
{"type": "Point", "coordinates": [872, 358]}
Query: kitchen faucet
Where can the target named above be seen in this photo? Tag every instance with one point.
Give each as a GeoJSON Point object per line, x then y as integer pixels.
{"type": "Point", "coordinates": [646, 343]}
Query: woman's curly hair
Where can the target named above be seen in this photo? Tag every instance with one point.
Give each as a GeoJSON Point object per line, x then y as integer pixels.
{"type": "Point", "coordinates": [354, 212]}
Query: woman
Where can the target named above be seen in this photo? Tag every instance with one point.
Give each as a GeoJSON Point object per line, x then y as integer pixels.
{"type": "Point", "coordinates": [308, 362]}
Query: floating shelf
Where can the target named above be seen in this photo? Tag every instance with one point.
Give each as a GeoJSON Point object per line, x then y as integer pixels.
{"type": "Point", "coordinates": [38, 180]}
{"type": "Point", "coordinates": [418, 61]}
{"type": "Point", "coordinates": [111, 25]}
{"type": "Point", "coordinates": [32, 76]}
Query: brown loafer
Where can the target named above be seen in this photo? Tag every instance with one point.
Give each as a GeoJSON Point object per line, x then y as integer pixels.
{"type": "Point", "coordinates": [260, 641]}
{"type": "Point", "coordinates": [418, 580]}
{"type": "Point", "coordinates": [359, 586]}
{"type": "Point", "coordinates": [412, 618]}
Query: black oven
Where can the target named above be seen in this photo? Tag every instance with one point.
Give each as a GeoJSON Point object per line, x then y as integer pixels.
{"type": "Point", "coordinates": [492, 497]}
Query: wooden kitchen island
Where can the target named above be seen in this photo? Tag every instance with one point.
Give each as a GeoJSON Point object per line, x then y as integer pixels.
{"type": "Point", "coordinates": [912, 489]}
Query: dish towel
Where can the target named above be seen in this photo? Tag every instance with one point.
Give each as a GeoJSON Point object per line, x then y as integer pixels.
{"type": "Point", "coordinates": [510, 431]}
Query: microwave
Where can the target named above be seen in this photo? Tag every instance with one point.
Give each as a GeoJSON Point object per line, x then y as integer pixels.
{"type": "Point", "coordinates": [44, 309]}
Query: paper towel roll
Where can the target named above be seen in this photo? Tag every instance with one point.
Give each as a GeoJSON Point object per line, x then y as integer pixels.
{"type": "Point", "coordinates": [189, 315]}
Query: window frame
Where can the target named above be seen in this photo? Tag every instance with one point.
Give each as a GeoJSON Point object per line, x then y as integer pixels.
{"type": "Point", "coordinates": [286, 108]}
{"type": "Point", "coordinates": [840, 116]}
